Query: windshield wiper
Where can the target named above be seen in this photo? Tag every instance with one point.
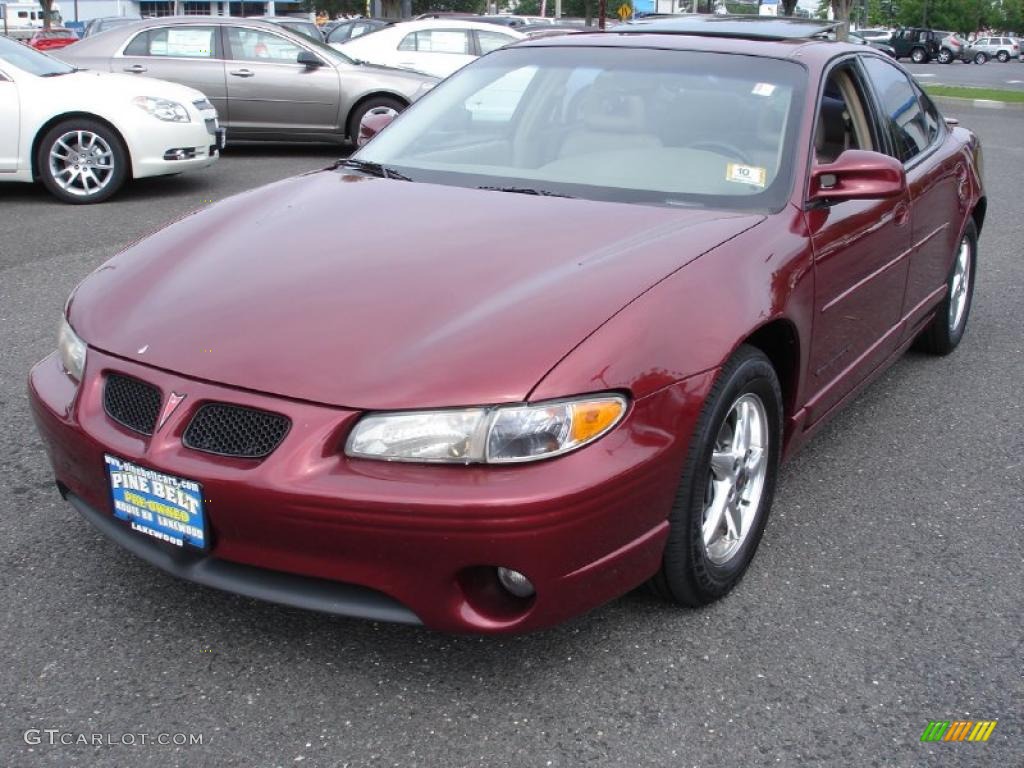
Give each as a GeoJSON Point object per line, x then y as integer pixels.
{"type": "Point", "coordinates": [525, 190]}
{"type": "Point", "coordinates": [58, 74]}
{"type": "Point", "coordinates": [374, 169]}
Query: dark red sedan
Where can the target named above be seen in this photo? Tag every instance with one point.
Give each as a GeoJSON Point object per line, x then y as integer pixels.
{"type": "Point", "coordinates": [597, 287]}
{"type": "Point", "coordinates": [52, 39]}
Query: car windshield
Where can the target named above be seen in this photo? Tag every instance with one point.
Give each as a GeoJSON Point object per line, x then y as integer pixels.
{"type": "Point", "coordinates": [618, 124]}
{"type": "Point", "coordinates": [30, 60]}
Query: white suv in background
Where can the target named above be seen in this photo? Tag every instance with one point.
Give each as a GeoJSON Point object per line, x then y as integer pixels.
{"type": "Point", "coordinates": [1000, 48]}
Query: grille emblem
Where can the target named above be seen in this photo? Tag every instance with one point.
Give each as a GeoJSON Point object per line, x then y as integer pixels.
{"type": "Point", "coordinates": [173, 401]}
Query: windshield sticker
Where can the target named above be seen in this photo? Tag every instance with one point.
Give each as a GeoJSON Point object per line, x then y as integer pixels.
{"type": "Point", "coordinates": [746, 174]}
{"type": "Point", "coordinates": [763, 89]}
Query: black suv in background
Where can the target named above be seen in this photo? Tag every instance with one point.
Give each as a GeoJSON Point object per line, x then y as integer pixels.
{"type": "Point", "coordinates": [921, 45]}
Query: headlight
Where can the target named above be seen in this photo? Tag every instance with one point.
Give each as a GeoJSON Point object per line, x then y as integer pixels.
{"type": "Point", "coordinates": [162, 109]}
{"type": "Point", "coordinates": [72, 351]}
{"type": "Point", "coordinates": [498, 435]}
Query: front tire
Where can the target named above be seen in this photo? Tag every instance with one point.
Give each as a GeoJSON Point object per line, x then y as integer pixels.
{"type": "Point", "coordinates": [947, 328]}
{"type": "Point", "coordinates": [371, 104]}
{"type": "Point", "coordinates": [82, 161]}
{"type": "Point", "coordinates": [980, 58]}
{"type": "Point", "coordinates": [727, 485]}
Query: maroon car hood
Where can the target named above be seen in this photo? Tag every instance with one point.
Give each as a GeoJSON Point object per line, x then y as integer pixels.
{"type": "Point", "coordinates": [374, 294]}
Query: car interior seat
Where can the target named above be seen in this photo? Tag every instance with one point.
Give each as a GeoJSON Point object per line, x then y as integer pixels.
{"type": "Point", "coordinates": [832, 134]}
{"type": "Point", "coordinates": [611, 116]}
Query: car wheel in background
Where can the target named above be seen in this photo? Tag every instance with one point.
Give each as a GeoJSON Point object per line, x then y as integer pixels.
{"type": "Point", "coordinates": [945, 56]}
{"type": "Point", "coordinates": [1003, 57]}
{"type": "Point", "coordinates": [919, 56]}
{"type": "Point", "coordinates": [727, 484]}
{"type": "Point", "coordinates": [82, 161]}
{"type": "Point", "coordinates": [373, 104]}
{"type": "Point", "coordinates": [946, 329]}
{"type": "Point", "coordinates": [980, 58]}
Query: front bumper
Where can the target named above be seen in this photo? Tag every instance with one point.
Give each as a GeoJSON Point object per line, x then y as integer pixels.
{"type": "Point", "coordinates": [400, 542]}
{"type": "Point", "coordinates": [152, 141]}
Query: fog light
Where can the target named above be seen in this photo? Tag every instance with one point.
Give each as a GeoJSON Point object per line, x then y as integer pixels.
{"type": "Point", "coordinates": [515, 582]}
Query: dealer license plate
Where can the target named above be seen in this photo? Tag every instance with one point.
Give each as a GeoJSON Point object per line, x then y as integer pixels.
{"type": "Point", "coordinates": [165, 507]}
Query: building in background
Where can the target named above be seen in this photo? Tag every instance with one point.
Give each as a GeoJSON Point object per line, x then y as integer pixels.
{"type": "Point", "coordinates": [84, 10]}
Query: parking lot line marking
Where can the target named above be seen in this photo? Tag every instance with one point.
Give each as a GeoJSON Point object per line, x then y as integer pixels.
{"type": "Point", "coordinates": [989, 104]}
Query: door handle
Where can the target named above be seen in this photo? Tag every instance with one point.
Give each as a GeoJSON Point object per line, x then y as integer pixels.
{"type": "Point", "coordinates": [901, 214]}
{"type": "Point", "coordinates": [136, 68]}
{"type": "Point", "coordinates": [242, 72]}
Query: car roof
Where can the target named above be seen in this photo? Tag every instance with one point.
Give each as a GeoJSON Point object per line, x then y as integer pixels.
{"type": "Point", "coordinates": [280, 18]}
{"type": "Point", "coordinates": [450, 22]}
{"type": "Point", "coordinates": [668, 34]}
{"type": "Point", "coordinates": [742, 27]}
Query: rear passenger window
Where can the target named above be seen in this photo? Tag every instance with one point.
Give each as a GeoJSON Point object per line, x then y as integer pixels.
{"type": "Point", "coordinates": [932, 118]}
{"type": "Point", "coordinates": [902, 108]}
{"type": "Point", "coordinates": [436, 41]}
{"type": "Point", "coordinates": [174, 42]}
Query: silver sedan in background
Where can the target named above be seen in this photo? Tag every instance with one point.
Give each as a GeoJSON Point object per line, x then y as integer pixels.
{"type": "Point", "coordinates": [267, 82]}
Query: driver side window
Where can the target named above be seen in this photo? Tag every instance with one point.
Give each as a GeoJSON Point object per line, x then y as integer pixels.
{"type": "Point", "coordinates": [843, 120]}
{"type": "Point", "coordinates": [257, 45]}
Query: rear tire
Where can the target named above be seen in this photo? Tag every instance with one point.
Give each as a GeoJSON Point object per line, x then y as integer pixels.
{"type": "Point", "coordinates": [919, 56]}
{"type": "Point", "coordinates": [727, 484]}
{"type": "Point", "coordinates": [947, 328]}
{"type": "Point", "coordinates": [82, 161]}
{"type": "Point", "coordinates": [374, 102]}
{"type": "Point", "coordinates": [1003, 57]}
{"type": "Point", "coordinates": [945, 56]}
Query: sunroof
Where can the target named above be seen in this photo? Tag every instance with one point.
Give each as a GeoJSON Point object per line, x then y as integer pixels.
{"type": "Point", "coordinates": [750, 27]}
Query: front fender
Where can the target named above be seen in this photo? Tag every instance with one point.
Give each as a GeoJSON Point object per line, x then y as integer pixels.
{"type": "Point", "coordinates": [694, 320]}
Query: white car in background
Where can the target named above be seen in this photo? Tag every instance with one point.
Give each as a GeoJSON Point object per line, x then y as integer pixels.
{"type": "Point", "coordinates": [83, 133]}
{"type": "Point", "coordinates": [434, 46]}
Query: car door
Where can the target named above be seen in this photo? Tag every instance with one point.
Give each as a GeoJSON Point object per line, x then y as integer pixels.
{"type": "Point", "coordinates": [436, 51]}
{"type": "Point", "coordinates": [10, 124]}
{"type": "Point", "coordinates": [936, 180]}
{"type": "Point", "coordinates": [189, 54]}
{"type": "Point", "coordinates": [271, 94]}
{"type": "Point", "coordinates": [860, 251]}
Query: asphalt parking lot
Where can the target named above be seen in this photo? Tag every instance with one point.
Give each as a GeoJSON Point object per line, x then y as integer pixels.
{"type": "Point", "coordinates": [887, 591]}
{"type": "Point", "coordinates": [1008, 76]}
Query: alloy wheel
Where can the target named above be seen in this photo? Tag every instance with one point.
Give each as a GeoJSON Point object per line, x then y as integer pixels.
{"type": "Point", "coordinates": [739, 464]}
{"type": "Point", "coordinates": [81, 163]}
{"type": "Point", "coordinates": [959, 285]}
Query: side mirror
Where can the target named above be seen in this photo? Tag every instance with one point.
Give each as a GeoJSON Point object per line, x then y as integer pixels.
{"type": "Point", "coordinates": [373, 122]}
{"type": "Point", "coordinates": [858, 175]}
{"type": "Point", "coordinates": [308, 60]}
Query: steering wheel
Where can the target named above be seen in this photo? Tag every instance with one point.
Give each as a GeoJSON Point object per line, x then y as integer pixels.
{"type": "Point", "coordinates": [731, 150]}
